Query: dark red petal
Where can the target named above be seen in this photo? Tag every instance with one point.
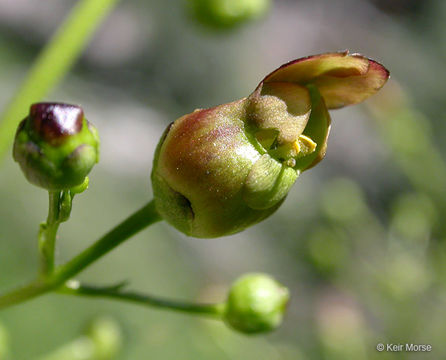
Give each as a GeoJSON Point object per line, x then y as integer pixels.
{"type": "Point", "coordinates": [54, 122]}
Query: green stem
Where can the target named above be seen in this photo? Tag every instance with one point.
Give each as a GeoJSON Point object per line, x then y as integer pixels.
{"type": "Point", "coordinates": [48, 233]}
{"type": "Point", "coordinates": [24, 293]}
{"type": "Point", "coordinates": [73, 287]}
{"type": "Point", "coordinates": [134, 223]}
{"type": "Point", "coordinates": [53, 63]}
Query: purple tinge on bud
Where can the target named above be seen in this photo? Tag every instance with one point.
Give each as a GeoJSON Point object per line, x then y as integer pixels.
{"type": "Point", "coordinates": [54, 122]}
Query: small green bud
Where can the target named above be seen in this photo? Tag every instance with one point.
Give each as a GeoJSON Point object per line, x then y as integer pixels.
{"type": "Point", "coordinates": [227, 13]}
{"type": "Point", "coordinates": [256, 303]}
{"type": "Point", "coordinates": [55, 146]}
{"type": "Point", "coordinates": [217, 171]}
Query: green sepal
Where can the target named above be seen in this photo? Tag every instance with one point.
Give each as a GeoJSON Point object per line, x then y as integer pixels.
{"type": "Point", "coordinates": [80, 188]}
{"type": "Point", "coordinates": [267, 183]}
{"type": "Point", "coordinates": [41, 236]}
{"type": "Point", "coordinates": [65, 205]}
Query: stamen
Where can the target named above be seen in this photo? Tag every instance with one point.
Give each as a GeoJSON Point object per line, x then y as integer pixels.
{"type": "Point", "coordinates": [306, 145]}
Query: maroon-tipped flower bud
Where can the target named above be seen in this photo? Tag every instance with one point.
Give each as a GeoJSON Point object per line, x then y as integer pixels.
{"type": "Point", "coordinates": [219, 170]}
{"type": "Point", "coordinates": [56, 146]}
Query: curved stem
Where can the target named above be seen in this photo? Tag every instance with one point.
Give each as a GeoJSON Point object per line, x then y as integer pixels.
{"type": "Point", "coordinates": [48, 233]}
{"type": "Point", "coordinates": [73, 287]}
{"type": "Point", "coordinates": [130, 226]}
{"type": "Point", "coordinates": [53, 63]}
{"type": "Point", "coordinates": [139, 220]}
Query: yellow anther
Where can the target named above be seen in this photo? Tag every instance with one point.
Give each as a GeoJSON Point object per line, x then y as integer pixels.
{"type": "Point", "coordinates": [294, 150]}
{"type": "Point", "coordinates": [296, 146]}
{"type": "Point", "coordinates": [304, 146]}
{"type": "Point", "coordinates": [307, 145]}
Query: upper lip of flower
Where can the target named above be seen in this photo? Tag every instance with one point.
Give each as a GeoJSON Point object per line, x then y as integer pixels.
{"type": "Point", "coordinates": [341, 78]}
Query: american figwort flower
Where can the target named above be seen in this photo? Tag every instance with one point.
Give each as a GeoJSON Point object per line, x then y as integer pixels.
{"type": "Point", "coordinates": [56, 146]}
{"type": "Point", "coordinates": [256, 303]}
{"type": "Point", "coordinates": [216, 171]}
{"type": "Point", "coordinates": [219, 170]}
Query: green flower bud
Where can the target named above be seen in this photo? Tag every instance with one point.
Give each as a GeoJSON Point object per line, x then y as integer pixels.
{"type": "Point", "coordinates": [227, 13]}
{"type": "Point", "coordinates": [256, 303]}
{"type": "Point", "coordinates": [55, 146]}
{"type": "Point", "coordinates": [217, 171]}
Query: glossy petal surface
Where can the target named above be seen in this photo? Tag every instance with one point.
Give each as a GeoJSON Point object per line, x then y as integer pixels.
{"type": "Point", "coordinates": [341, 78]}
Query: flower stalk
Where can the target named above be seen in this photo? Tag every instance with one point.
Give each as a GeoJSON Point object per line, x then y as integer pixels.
{"type": "Point", "coordinates": [48, 234]}
{"type": "Point", "coordinates": [74, 287]}
{"type": "Point", "coordinates": [141, 219]}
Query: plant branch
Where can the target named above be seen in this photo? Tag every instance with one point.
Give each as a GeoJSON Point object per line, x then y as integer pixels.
{"type": "Point", "coordinates": [74, 287]}
{"type": "Point", "coordinates": [29, 291]}
{"type": "Point", "coordinates": [133, 224]}
{"type": "Point", "coordinates": [139, 220]}
{"type": "Point", "coordinates": [53, 63]}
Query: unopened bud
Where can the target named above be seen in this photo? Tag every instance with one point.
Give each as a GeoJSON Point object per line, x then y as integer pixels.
{"type": "Point", "coordinates": [256, 303]}
{"type": "Point", "coordinates": [55, 146]}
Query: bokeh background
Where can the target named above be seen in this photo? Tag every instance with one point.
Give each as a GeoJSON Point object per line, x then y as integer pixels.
{"type": "Point", "coordinates": [360, 240]}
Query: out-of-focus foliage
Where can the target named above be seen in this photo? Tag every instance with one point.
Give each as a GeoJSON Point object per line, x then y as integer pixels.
{"type": "Point", "coordinates": [226, 14]}
{"type": "Point", "coordinates": [4, 343]}
{"type": "Point", "coordinates": [360, 240]}
{"type": "Point", "coordinates": [102, 340]}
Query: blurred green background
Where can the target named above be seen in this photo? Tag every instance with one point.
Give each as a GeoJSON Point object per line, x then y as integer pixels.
{"type": "Point", "coordinates": [360, 240]}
